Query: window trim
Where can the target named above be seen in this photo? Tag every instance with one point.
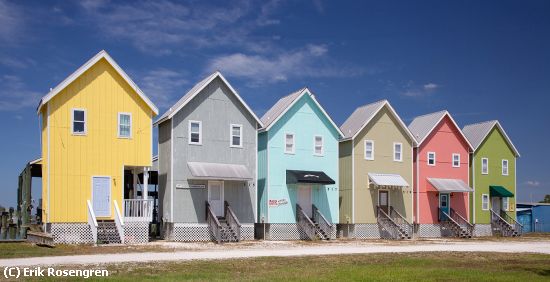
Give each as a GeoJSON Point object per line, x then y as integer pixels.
{"type": "Point", "coordinates": [453, 159]}
{"type": "Point", "coordinates": [400, 152]}
{"type": "Point", "coordinates": [189, 132]}
{"type": "Point", "coordinates": [315, 145]}
{"type": "Point", "coordinates": [293, 151]}
{"type": "Point", "coordinates": [428, 158]}
{"type": "Point", "coordinates": [507, 167]}
{"type": "Point", "coordinates": [85, 132]}
{"type": "Point", "coordinates": [240, 126]}
{"type": "Point", "coordinates": [365, 150]}
{"type": "Point", "coordinates": [486, 197]}
{"type": "Point", "coordinates": [484, 172]}
{"type": "Point", "coordinates": [118, 125]}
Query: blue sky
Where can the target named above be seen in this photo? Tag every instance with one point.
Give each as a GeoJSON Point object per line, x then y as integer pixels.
{"type": "Point", "coordinates": [480, 60]}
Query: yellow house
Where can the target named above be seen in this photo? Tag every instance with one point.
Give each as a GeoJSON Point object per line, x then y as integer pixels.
{"type": "Point", "coordinates": [96, 128]}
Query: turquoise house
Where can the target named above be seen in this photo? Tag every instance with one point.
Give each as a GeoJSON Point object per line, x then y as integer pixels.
{"type": "Point", "coordinates": [297, 170]}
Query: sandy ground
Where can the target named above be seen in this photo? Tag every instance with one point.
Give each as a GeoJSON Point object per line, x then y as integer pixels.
{"type": "Point", "coordinates": [210, 251]}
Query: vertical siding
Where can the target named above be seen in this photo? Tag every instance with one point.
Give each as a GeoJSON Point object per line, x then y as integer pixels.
{"type": "Point", "coordinates": [165, 164]}
{"type": "Point", "coordinates": [262, 176]}
{"type": "Point", "coordinates": [216, 108]}
{"type": "Point", "coordinates": [495, 148]}
{"type": "Point", "coordinates": [345, 178]}
{"type": "Point", "coordinates": [75, 159]}
{"type": "Point", "coordinates": [305, 120]}
{"type": "Point", "coordinates": [384, 130]}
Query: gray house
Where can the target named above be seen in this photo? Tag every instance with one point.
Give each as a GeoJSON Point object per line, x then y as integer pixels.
{"type": "Point", "coordinates": [207, 165]}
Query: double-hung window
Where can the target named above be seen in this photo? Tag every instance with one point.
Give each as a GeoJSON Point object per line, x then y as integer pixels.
{"type": "Point", "coordinates": [195, 132]}
{"type": "Point", "coordinates": [236, 135]}
{"type": "Point", "coordinates": [431, 158]}
{"type": "Point", "coordinates": [397, 152]}
{"type": "Point", "coordinates": [456, 160]}
{"type": "Point", "coordinates": [318, 148]}
{"type": "Point", "coordinates": [124, 125]}
{"type": "Point", "coordinates": [484, 166]}
{"type": "Point", "coordinates": [289, 143]}
{"type": "Point", "coordinates": [79, 121]}
{"type": "Point", "coordinates": [369, 150]}
{"type": "Point", "coordinates": [504, 167]}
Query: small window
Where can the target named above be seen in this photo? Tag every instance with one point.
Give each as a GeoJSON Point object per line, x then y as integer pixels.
{"type": "Point", "coordinates": [318, 145]}
{"type": "Point", "coordinates": [397, 152]}
{"type": "Point", "coordinates": [236, 132]}
{"type": "Point", "coordinates": [484, 166]}
{"type": "Point", "coordinates": [505, 203]}
{"type": "Point", "coordinates": [124, 125]}
{"type": "Point", "coordinates": [369, 150]}
{"type": "Point", "coordinates": [79, 122]}
{"type": "Point", "coordinates": [431, 158]}
{"type": "Point", "coordinates": [195, 132]}
{"type": "Point", "coordinates": [456, 160]}
{"type": "Point", "coordinates": [485, 202]}
{"type": "Point", "coordinates": [504, 167]}
{"type": "Point", "coordinates": [289, 143]}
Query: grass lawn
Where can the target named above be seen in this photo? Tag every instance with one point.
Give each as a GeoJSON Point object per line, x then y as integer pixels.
{"type": "Point", "coordinates": [372, 267]}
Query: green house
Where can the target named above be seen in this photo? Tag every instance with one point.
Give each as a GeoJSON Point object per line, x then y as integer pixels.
{"type": "Point", "coordinates": [493, 178]}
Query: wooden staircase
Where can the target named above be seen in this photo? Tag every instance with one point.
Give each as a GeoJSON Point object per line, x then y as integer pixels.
{"type": "Point", "coordinates": [226, 232]}
{"type": "Point", "coordinates": [459, 226]}
{"type": "Point", "coordinates": [223, 229]}
{"type": "Point", "coordinates": [505, 225]}
{"type": "Point", "coordinates": [107, 232]}
{"type": "Point", "coordinates": [397, 227]}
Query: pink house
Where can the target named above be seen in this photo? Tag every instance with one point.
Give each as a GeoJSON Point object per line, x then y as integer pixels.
{"type": "Point", "coordinates": [441, 173]}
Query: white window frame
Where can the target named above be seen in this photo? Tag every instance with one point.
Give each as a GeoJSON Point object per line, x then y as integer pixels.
{"type": "Point", "coordinates": [485, 202]}
{"type": "Point", "coordinates": [315, 146]}
{"type": "Point", "coordinates": [293, 143]}
{"type": "Point", "coordinates": [118, 124]}
{"type": "Point", "coordinates": [400, 152]}
{"type": "Point", "coordinates": [240, 126]}
{"type": "Point", "coordinates": [507, 167]}
{"type": "Point", "coordinates": [372, 150]}
{"type": "Point", "coordinates": [505, 204]}
{"type": "Point", "coordinates": [85, 122]}
{"type": "Point", "coordinates": [189, 132]}
{"type": "Point", "coordinates": [453, 160]}
{"type": "Point", "coordinates": [428, 158]}
{"type": "Point", "coordinates": [487, 166]}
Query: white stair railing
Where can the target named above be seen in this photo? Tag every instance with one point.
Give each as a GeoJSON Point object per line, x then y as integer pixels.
{"type": "Point", "coordinates": [119, 223]}
{"type": "Point", "coordinates": [92, 222]}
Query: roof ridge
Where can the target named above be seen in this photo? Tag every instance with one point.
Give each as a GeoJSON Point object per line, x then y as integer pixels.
{"type": "Point", "coordinates": [481, 122]}
{"type": "Point", "coordinates": [428, 114]}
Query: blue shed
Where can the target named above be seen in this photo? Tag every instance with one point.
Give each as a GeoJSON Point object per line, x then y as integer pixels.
{"type": "Point", "coordinates": [535, 217]}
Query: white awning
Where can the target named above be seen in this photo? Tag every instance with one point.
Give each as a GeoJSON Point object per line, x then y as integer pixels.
{"type": "Point", "coordinates": [219, 171]}
{"type": "Point", "coordinates": [450, 185]}
{"type": "Point", "coordinates": [381, 179]}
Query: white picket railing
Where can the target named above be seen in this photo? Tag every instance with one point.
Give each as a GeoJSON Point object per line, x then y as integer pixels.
{"type": "Point", "coordinates": [119, 221]}
{"type": "Point", "coordinates": [138, 210]}
{"type": "Point", "coordinates": [92, 222]}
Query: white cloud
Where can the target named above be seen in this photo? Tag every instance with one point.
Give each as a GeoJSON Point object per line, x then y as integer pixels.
{"type": "Point", "coordinates": [16, 63]}
{"type": "Point", "coordinates": [533, 183]}
{"type": "Point", "coordinates": [163, 86]}
{"type": "Point", "coordinates": [310, 61]}
{"type": "Point", "coordinates": [10, 21]}
{"type": "Point", "coordinates": [430, 86]}
{"type": "Point", "coordinates": [413, 90]}
{"type": "Point", "coordinates": [14, 94]}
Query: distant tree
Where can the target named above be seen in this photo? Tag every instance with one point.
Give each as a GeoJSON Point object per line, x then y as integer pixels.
{"type": "Point", "coordinates": [546, 199]}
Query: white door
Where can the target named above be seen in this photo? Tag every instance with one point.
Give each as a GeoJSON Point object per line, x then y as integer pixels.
{"type": "Point", "coordinates": [304, 199]}
{"type": "Point", "coordinates": [215, 197]}
{"type": "Point", "coordinates": [101, 196]}
{"type": "Point", "coordinates": [495, 204]}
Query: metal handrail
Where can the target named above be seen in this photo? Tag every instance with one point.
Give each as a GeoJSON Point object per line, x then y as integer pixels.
{"type": "Point", "coordinates": [119, 223]}
{"type": "Point", "coordinates": [462, 221]}
{"type": "Point", "coordinates": [324, 224]}
{"type": "Point", "coordinates": [388, 223]}
{"type": "Point", "coordinates": [305, 223]}
{"type": "Point", "coordinates": [92, 221]}
{"type": "Point", "coordinates": [518, 227]}
{"type": "Point", "coordinates": [232, 220]}
{"type": "Point", "coordinates": [213, 223]}
{"type": "Point", "coordinates": [400, 220]}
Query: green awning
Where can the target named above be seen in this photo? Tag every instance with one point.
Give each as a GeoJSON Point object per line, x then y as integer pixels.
{"type": "Point", "coordinates": [499, 191]}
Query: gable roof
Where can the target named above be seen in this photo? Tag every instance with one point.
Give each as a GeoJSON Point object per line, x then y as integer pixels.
{"type": "Point", "coordinates": [363, 115]}
{"type": "Point", "coordinates": [195, 90]}
{"type": "Point", "coordinates": [478, 132]}
{"type": "Point", "coordinates": [284, 104]}
{"type": "Point", "coordinates": [101, 55]}
{"type": "Point", "coordinates": [422, 126]}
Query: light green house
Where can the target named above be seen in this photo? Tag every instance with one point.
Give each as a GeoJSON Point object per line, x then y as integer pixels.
{"type": "Point", "coordinates": [376, 174]}
{"type": "Point", "coordinates": [493, 178]}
